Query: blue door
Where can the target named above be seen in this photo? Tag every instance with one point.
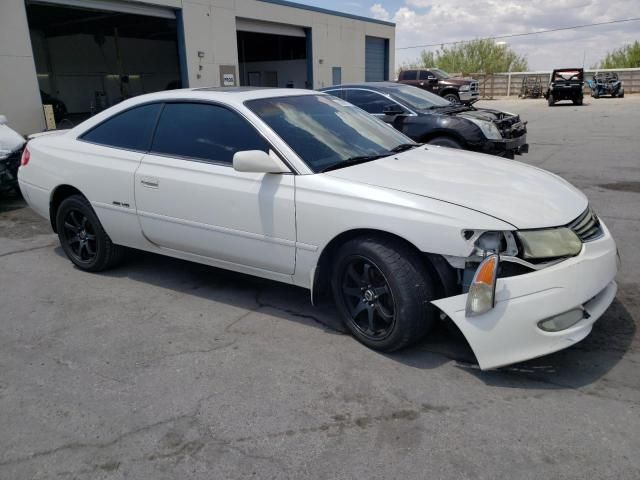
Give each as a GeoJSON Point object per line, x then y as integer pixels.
{"type": "Point", "coordinates": [336, 75]}
{"type": "Point", "coordinates": [376, 59]}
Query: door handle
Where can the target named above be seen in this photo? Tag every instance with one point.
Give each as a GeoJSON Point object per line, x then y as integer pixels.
{"type": "Point", "coordinates": [150, 182]}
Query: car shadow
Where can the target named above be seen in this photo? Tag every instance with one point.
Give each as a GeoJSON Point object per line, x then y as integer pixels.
{"type": "Point", "coordinates": [225, 286]}
{"type": "Point", "coordinates": [577, 366]}
{"type": "Point", "coordinates": [570, 104]}
{"type": "Point", "coordinates": [10, 201]}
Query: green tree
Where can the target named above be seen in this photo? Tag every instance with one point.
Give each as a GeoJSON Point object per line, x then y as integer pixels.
{"type": "Point", "coordinates": [624, 57]}
{"type": "Point", "coordinates": [476, 56]}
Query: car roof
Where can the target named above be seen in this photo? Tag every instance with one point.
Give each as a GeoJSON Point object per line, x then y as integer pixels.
{"type": "Point", "coordinates": [370, 85]}
{"type": "Point", "coordinates": [230, 95]}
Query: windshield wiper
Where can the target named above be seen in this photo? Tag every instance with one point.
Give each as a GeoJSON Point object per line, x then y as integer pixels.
{"type": "Point", "coordinates": [354, 161]}
{"type": "Point", "coordinates": [403, 147]}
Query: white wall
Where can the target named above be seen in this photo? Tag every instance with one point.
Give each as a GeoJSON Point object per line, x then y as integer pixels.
{"type": "Point", "coordinates": [288, 71]}
{"type": "Point", "coordinates": [209, 27]}
{"type": "Point", "coordinates": [19, 95]}
{"type": "Point", "coordinates": [337, 41]}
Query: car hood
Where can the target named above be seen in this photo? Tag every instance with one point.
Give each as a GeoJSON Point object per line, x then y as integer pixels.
{"type": "Point", "coordinates": [456, 81]}
{"type": "Point", "coordinates": [10, 140]}
{"type": "Point", "coordinates": [519, 194]}
{"type": "Point", "coordinates": [486, 114]}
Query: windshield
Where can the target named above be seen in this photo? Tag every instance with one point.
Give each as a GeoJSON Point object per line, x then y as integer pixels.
{"type": "Point", "coordinates": [416, 98]}
{"type": "Point", "coordinates": [325, 131]}
{"type": "Point", "coordinates": [440, 73]}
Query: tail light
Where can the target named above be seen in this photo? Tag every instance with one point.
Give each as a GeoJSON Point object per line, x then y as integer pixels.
{"type": "Point", "coordinates": [26, 156]}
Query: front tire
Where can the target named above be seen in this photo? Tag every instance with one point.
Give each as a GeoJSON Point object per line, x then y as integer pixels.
{"type": "Point", "coordinates": [452, 97]}
{"type": "Point", "coordinates": [82, 237]}
{"type": "Point", "coordinates": [382, 292]}
{"type": "Point", "coordinates": [550, 100]}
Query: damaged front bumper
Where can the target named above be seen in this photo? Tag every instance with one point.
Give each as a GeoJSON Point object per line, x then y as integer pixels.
{"type": "Point", "coordinates": [510, 332]}
{"type": "Point", "coordinates": [9, 170]}
{"type": "Point", "coordinates": [507, 147]}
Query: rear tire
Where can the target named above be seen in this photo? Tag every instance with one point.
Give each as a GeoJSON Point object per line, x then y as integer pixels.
{"type": "Point", "coordinates": [82, 237]}
{"type": "Point", "coordinates": [445, 142]}
{"type": "Point", "coordinates": [383, 292]}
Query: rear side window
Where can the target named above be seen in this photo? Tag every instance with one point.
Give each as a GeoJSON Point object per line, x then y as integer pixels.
{"type": "Point", "coordinates": [408, 75]}
{"type": "Point", "coordinates": [370, 102]}
{"type": "Point", "coordinates": [205, 132]}
{"type": "Point", "coordinates": [338, 92]}
{"type": "Point", "coordinates": [131, 129]}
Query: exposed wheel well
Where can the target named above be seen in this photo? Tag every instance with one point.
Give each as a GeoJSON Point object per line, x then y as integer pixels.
{"type": "Point", "coordinates": [59, 194]}
{"type": "Point", "coordinates": [449, 90]}
{"type": "Point", "coordinates": [447, 134]}
{"type": "Point", "coordinates": [444, 276]}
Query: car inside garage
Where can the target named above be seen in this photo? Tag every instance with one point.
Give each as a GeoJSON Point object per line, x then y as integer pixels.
{"type": "Point", "coordinates": [88, 59]}
{"type": "Point", "coordinates": [272, 54]}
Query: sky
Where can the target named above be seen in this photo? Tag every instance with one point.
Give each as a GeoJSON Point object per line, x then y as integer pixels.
{"type": "Point", "coordinates": [432, 21]}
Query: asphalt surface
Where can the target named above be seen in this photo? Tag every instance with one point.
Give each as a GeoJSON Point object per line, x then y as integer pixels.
{"type": "Point", "coordinates": [163, 369]}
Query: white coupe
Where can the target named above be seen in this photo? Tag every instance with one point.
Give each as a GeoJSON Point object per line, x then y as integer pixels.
{"type": "Point", "coordinates": [303, 188]}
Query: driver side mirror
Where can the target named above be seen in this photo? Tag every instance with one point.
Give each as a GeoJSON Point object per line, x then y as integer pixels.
{"type": "Point", "coordinates": [393, 110]}
{"type": "Point", "coordinates": [257, 161]}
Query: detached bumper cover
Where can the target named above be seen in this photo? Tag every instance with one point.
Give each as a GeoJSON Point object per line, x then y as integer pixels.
{"type": "Point", "coordinates": [509, 333]}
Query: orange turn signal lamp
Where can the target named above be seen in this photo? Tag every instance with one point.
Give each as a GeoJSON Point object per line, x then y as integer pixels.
{"type": "Point", "coordinates": [482, 293]}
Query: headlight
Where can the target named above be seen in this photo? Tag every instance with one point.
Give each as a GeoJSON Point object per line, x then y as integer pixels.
{"type": "Point", "coordinates": [488, 128]}
{"type": "Point", "coordinates": [549, 243]}
{"type": "Point", "coordinates": [488, 242]}
{"type": "Point", "coordinates": [464, 88]}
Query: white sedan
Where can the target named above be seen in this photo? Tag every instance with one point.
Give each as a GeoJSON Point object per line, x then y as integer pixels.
{"type": "Point", "coordinates": [303, 188]}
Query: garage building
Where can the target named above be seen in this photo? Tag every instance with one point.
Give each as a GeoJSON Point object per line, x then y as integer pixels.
{"type": "Point", "coordinates": [82, 56]}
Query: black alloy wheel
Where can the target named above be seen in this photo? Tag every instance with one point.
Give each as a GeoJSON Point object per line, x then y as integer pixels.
{"type": "Point", "coordinates": [80, 236]}
{"type": "Point", "coordinates": [368, 298]}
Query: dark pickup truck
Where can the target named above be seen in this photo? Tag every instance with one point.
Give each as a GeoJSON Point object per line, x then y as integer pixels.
{"type": "Point", "coordinates": [456, 90]}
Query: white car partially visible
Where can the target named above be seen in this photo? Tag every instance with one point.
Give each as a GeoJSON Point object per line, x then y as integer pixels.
{"type": "Point", "coordinates": [303, 188]}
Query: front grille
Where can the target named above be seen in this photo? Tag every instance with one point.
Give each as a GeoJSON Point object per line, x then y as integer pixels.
{"type": "Point", "coordinates": [587, 226]}
{"type": "Point", "coordinates": [473, 87]}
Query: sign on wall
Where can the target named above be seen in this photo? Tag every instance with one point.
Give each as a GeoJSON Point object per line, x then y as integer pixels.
{"type": "Point", "coordinates": [228, 75]}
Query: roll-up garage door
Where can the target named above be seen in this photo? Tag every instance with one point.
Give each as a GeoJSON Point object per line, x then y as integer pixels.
{"type": "Point", "coordinates": [375, 53]}
{"type": "Point", "coordinates": [113, 6]}
{"type": "Point", "coordinates": [257, 26]}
